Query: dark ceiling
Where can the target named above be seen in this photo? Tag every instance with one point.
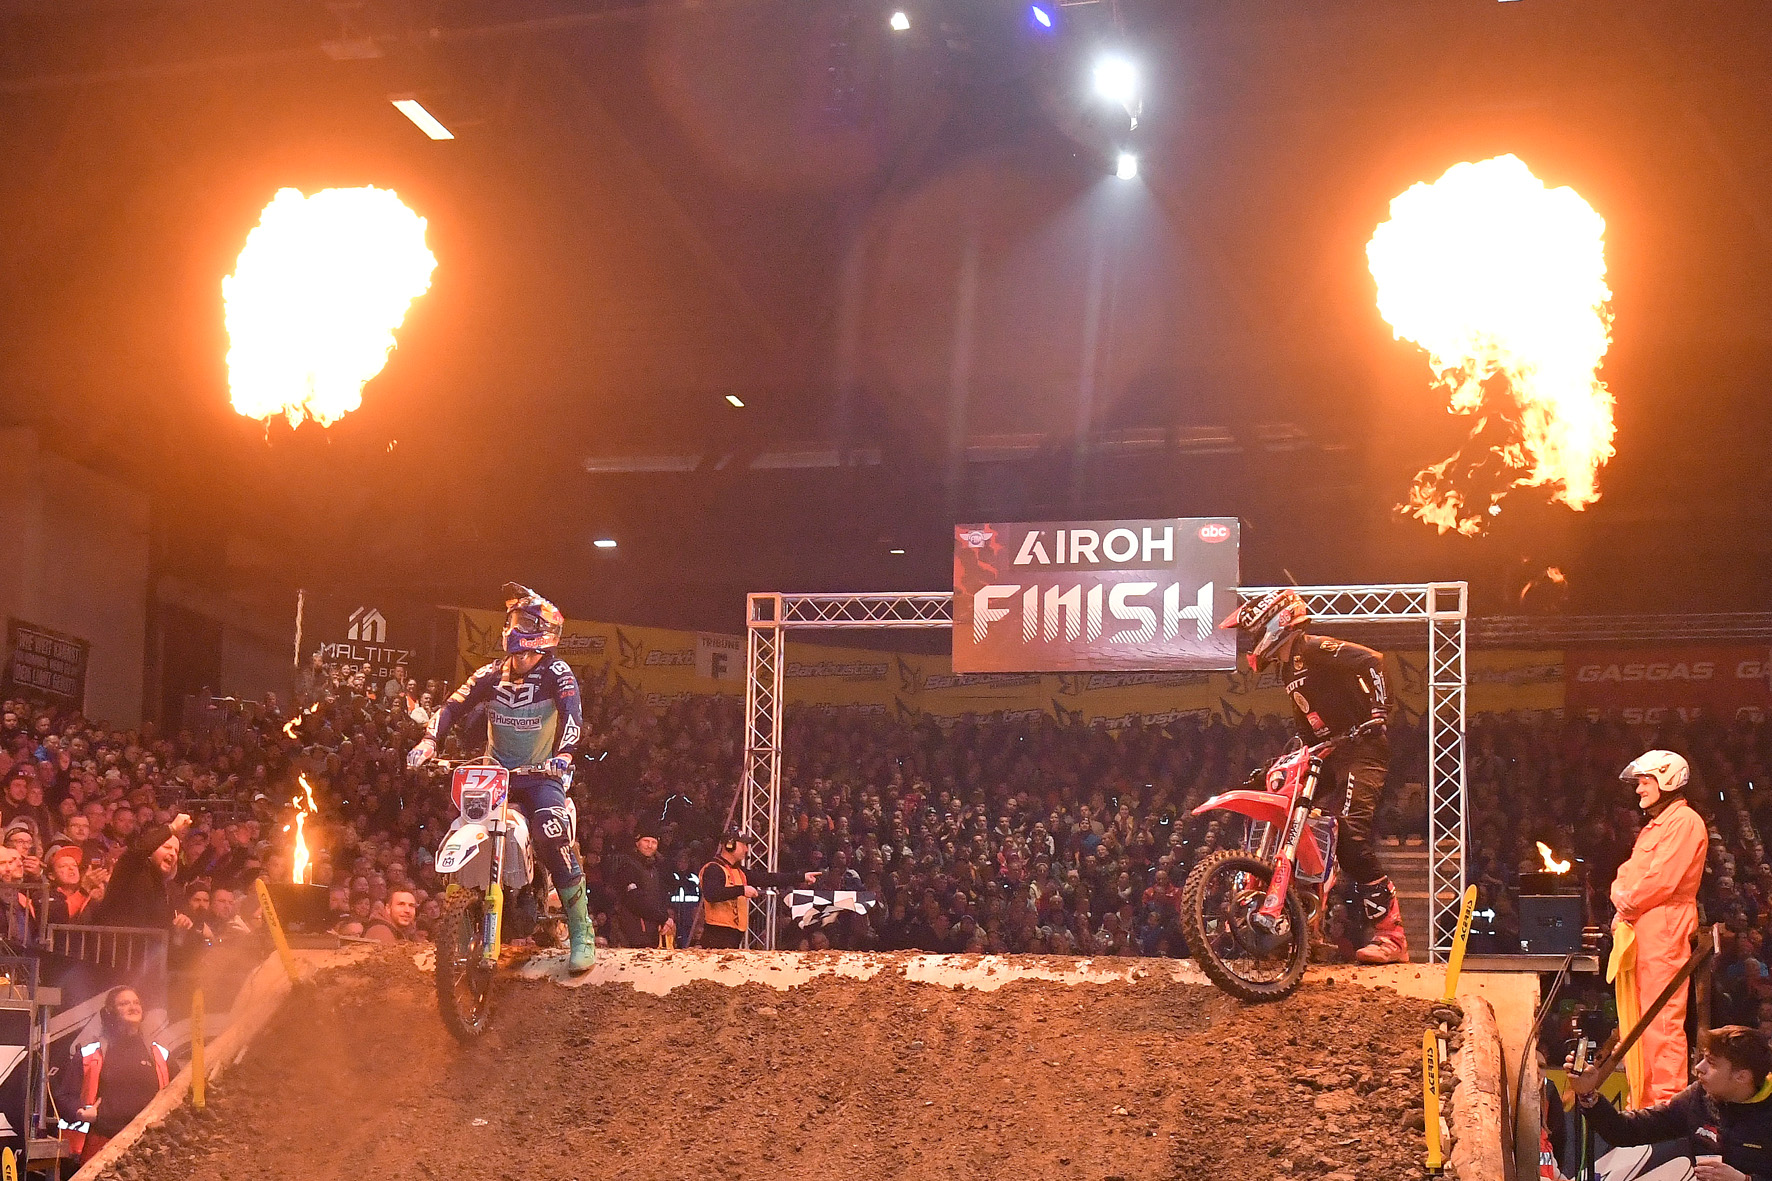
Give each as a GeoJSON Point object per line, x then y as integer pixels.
{"type": "Point", "coordinates": [906, 255]}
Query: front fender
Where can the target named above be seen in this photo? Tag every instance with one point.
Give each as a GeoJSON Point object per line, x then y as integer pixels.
{"type": "Point", "coordinates": [1269, 807]}
{"type": "Point", "coordinates": [460, 847]}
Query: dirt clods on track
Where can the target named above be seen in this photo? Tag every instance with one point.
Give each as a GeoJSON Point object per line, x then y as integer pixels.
{"type": "Point", "coordinates": [839, 1079]}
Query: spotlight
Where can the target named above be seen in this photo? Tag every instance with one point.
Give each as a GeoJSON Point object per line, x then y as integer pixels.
{"type": "Point", "coordinates": [736, 401]}
{"type": "Point", "coordinates": [1116, 80]}
{"type": "Point", "coordinates": [1127, 167]}
{"type": "Point", "coordinates": [1041, 17]}
{"type": "Point", "coordinates": [423, 119]}
{"type": "Point", "coordinates": [895, 551]}
{"type": "Point", "coordinates": [604, 543]}
{"type": "Point", "coordinates": [900, 22]}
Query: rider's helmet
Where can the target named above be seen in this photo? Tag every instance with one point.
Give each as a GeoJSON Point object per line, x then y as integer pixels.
{"type": "Point", "coordinates": [1669, 771]}
{"type": "Point", "coordinates": [532, 624]}
{"type": "Point", "coordinates": [1270, 624]}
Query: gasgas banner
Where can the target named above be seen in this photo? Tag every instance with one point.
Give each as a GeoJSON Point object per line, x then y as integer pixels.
{"type": "Point", "coordinates": [1647, 684]}
{"type": "Point", "coordinates": [1094, 596]}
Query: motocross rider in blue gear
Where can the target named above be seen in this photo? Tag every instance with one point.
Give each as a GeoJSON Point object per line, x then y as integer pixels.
{"type": "Point", "coordinates": [533, 719]}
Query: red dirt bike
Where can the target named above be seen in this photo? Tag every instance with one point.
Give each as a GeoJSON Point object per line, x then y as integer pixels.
{"type": "Point", "coordinates": [1248, 911]}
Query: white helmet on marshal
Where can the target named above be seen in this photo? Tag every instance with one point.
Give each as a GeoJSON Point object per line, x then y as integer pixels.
{"type": "Point", "coordinates": [1669, 771]}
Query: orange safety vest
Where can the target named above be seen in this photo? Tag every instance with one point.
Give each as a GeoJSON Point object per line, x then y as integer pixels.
{"type": "Point", "coordinates": [92, 1065]}
{"type": "Point", "coordinates": [734, 912]}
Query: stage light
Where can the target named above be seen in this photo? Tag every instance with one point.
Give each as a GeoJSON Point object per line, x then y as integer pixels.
{"type": "Point", "coordinates": [900, 22]}
{"type": "Point", "coordinates": [1127, 168]}
{"type": "Point", "coordinates": [1116, 80]}
{"type": "Point", "coordinates": [423, 119]}
{"type": "Point", "coordinates": [1042, 17]}
{"type": "Point", "coordinates": [895, 551]}
{"type": "Point", "coordinates": [736, 401]}
{"type": "Point", "coordinates": [604, 543]}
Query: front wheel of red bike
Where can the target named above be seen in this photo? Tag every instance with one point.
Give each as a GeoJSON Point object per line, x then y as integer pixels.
{"type": "Point", "coordinates": [1219, 902]}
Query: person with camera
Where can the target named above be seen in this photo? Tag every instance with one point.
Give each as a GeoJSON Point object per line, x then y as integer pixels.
{"type": "Point", "coordinates": [1726, 1114]}
{"type": "Point", "coordinates": [727, 888]}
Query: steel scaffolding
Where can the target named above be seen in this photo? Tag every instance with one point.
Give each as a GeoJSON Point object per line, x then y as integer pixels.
{"type": "Point", "coordinates": [1441, 606]}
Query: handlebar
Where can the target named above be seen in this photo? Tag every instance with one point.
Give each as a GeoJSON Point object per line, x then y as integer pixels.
{"type": "Point", "coordinates": [483, 761]}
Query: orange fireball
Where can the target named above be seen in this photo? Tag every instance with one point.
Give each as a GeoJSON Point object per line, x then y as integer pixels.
{"type": "Point", "coordinates": [1503, 282]}
{"type": "Point", "coordinates": [315, 297]}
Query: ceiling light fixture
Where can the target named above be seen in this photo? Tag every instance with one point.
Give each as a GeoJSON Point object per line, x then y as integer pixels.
{"type": "Point", "coordinates": [735, 400]}
{"type": "Point", "coordinates": [604, 543]}
{"type": "Point", "coordinates": [423, 119]}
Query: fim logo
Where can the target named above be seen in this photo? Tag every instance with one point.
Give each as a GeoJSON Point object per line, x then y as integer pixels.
{"type": "Point", "coordinates": [977, 538]}
{"type": "Point", "coordinates": [368, 626]}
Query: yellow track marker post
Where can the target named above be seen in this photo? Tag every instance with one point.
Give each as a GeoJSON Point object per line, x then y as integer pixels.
{"type": "Point", "coordinates": [275, 926]}
{"type": "Point", "coordinates": [1430, 1098]}
{"type": "Point", "coordinates": [197, 1079]}
{"type": "Point", "coordinates": [1460, 937]}
{"type": "Point", "coordinates": [9, 1165]}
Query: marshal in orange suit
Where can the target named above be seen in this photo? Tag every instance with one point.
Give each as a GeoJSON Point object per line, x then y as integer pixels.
{"type": "Point", "coordinates": [1656, 896]}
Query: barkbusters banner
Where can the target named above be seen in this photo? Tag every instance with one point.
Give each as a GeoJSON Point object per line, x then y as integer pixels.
{"type": "Point", "coordinates": [1089, 596]}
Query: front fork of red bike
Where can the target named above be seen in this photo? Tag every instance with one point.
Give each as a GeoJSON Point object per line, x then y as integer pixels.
{"type": "Point", "coordinates": [1268, 916]}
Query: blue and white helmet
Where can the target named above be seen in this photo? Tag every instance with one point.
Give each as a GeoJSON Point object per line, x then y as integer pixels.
{"type": "Point", "coordinates": [1670, 772]}
{"type": "Point", "coordinates": [532, 624]}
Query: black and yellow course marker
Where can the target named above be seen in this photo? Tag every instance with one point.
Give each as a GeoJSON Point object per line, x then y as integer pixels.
{"type": "Point", "coordinates": [1433, 1040]}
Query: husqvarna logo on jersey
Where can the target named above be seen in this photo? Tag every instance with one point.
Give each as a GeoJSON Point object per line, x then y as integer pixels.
{"type": "Point", "coordinates": [368, 626]}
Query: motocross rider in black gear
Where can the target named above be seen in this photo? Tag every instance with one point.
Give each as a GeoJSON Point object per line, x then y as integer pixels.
{"type": "Point", "coordinates": [1336, 688]}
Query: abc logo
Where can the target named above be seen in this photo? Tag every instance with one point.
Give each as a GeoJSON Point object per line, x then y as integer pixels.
{"type": "Point", "coordinates": [1214, 532]}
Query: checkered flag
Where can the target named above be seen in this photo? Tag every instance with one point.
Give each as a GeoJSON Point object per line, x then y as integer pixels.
{"type": "Point", "coordinates": [820, 908]}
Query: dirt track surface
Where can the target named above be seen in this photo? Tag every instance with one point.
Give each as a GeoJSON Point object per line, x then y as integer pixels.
{"type": "Point", "coordinates": [838, 1079]}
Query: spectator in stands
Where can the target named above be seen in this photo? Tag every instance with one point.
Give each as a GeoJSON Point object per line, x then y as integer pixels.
{"type": "Point", "coordinates": [642, 888]}
{"type": "Point", "coordinates": [399, 924]}
{"type": "Point", "coordinates": [21, 835]}
{"type": "Point", "coordinates": [225, 920]}
{"type": "Point", "coordinates": [120, 1074]}
{"type": "Point", "coordinates": [18, 914]}
{"type": "Point", "coordinates": [67, 900]}
{"type": "Point", "coordinates": [141, 891]}
{"type": "Point", "coordinates": [18, 787]}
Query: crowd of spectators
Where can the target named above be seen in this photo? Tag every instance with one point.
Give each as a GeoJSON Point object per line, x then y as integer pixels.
{"type": "Point", "coordinates": [975, 835]}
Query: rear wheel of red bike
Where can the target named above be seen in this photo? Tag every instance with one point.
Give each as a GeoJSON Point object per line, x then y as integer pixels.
{"type": "Point", "coordinates": [1218, 906]}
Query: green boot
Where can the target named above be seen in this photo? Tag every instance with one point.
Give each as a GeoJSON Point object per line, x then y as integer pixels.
{"type": "Point", "coordinates": [582, 936]}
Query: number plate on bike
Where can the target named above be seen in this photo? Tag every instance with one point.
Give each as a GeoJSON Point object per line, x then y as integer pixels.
{"type": "Point", "coordinates": [479, 791]}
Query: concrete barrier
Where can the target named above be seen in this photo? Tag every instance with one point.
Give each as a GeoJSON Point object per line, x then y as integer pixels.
{"type": "Point", "coordinates": [1477, 1152]}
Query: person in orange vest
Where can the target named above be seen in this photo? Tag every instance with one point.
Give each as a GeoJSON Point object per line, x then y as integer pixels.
{"type": "Point", "coordinates": [727, 888]}
{"type": "Point", "coordinates": [1656, 897]}
{"type": "Point", "coordinates": [119, 1074]}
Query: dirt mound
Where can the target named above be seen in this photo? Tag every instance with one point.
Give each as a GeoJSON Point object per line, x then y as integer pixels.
{"type": "Point", "coordinates": [838, 1079]}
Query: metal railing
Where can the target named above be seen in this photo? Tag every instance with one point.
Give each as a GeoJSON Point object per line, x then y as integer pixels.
{"type": "Point", "coordinates": [127, 948]}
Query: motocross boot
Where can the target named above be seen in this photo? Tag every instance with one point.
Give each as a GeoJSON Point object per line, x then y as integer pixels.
{"type": "Point", "coordinates": [580, 935]}
{"type": "Point", "coordinates": [1388, 944]}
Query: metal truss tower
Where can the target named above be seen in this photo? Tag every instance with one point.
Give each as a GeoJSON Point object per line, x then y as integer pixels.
{"type": "Point", "coordinates": [1442, 606]}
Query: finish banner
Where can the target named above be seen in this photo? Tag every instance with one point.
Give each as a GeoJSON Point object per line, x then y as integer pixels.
{"type": "Point", "coordinates": [1647, 684]}
{"type": "Point", "coordinates": [1092, 596]}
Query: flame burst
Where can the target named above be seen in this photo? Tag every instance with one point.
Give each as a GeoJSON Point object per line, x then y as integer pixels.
{"type": "Point", "coordinates": [1550, 861]}
{"type": "Point", "coordinates": [292, 727]}
{"type": "Point", "coordinates": [1503, 282]}
{"type": "Point", "coordinates": [303, 805]}
{"type": "Point", "coordinates": [315, 297]}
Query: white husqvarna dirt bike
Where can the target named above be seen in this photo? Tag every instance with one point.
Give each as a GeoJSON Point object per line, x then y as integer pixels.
{"type": "Point", "coordinates": [485, 853]}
